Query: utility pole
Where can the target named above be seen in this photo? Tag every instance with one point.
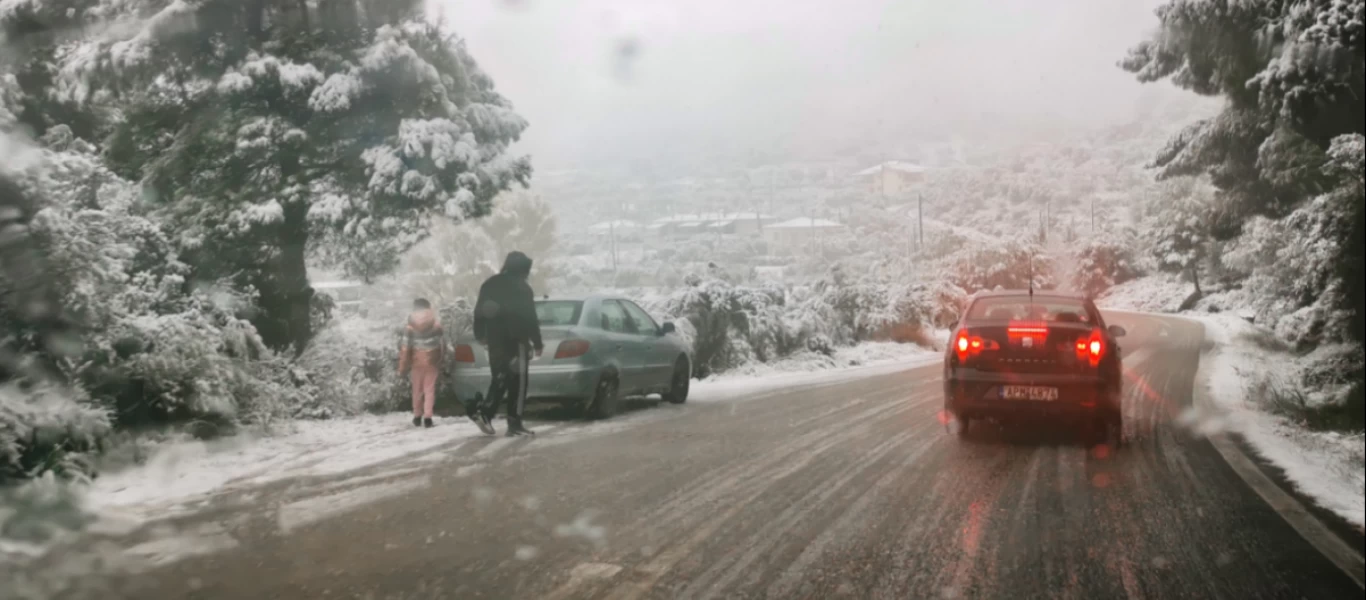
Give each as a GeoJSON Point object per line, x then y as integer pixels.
{"type": "Point", "coordinates": [1047, 219]}
{"type": "Point", "coordinates": [612, 229]}
{"type": "Point", "coordinates": [1043, 229]}
{"type": "Point", "coordinates": [920, 218]}
{"type": "Point", "coordinates": [1093, 216]}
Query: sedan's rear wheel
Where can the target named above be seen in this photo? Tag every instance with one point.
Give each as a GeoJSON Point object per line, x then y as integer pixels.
{"type": "Point", "coordinates": [605, 398]}
{"type": "Point", "coordinates": [679, 383]}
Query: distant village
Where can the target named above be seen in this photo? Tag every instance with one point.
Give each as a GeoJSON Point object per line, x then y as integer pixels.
{"type": "Point", "coordinates": [891, 179]}
{"type": "Point", "coordinates": [786, 208]}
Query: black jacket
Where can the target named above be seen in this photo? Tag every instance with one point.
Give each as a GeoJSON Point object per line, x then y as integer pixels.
{"type": "Point", "coordinates": [505, 314]}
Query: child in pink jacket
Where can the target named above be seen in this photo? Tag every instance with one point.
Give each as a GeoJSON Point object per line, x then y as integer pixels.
{"type": "Point", "coordinates": [419, 357]}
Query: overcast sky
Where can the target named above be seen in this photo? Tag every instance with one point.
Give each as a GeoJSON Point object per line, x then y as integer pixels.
{"type": "Point", "coordinates": [607, 82]}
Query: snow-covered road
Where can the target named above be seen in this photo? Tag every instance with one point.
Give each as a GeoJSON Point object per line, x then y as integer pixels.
{"type": "Point", "coordinates": [845, 488]}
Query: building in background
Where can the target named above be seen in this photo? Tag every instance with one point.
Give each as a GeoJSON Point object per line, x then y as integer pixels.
{"type": "Point", "coordinates": [801, 231]}
{"type": "Point", "coordinates": [742, 224]}
{"type": "Point", "coordinates": [892, 178]}
{"type": "Point", "coordinates": [621, 228]}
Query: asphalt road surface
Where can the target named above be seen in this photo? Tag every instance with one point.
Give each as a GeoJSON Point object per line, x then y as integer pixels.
{"type": "Point", "coordinates": [844, 490]}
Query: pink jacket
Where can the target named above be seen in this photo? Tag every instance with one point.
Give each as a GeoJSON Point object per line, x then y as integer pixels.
{"type": "Point", "coordinates": [423, 342]}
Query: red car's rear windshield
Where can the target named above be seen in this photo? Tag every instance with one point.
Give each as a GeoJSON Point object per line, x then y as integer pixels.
{"type": "Point", "coordinates": [1023, 308]}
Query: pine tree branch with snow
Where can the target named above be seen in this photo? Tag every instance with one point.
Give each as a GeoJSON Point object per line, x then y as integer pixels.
{"type": "Point", "coordinates": [264, 128]}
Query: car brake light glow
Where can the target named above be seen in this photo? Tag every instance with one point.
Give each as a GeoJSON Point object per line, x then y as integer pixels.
{"type": "Point", "coordinates": [968, 345]}
{"type": "Point", "coordinates": [571, 349]}
{"type": "Point", "coordinates": [1091, 349]}
{"type": "Point", "coordinates": [1027, 329]}
{"type": "Point", "coordinates": [464, 353]}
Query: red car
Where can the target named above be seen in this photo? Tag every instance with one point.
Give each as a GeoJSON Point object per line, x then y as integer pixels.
{"type": "Point", "coordinates": [1018, 355]}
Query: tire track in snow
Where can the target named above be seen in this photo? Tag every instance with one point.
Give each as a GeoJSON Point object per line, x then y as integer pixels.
{"type": "Point", "coordinates": [735, 563]}
{"type": "Point", "coordinates": [735, 488]}
{"type": "Point", "coordinates": [725, 482]}
{"type": "Point", "coordinates": [825, 504]}
{"type": "Point", "coordinates": [844, 525]}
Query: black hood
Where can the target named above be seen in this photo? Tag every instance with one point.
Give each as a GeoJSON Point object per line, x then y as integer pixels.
{"type": "Point", "coordinates": [517, 264]}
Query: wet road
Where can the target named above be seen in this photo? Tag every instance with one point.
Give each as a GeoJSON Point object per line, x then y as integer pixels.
{"type": "Point", "coordinates": [846, 490]}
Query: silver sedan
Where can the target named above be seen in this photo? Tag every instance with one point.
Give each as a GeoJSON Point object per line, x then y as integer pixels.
{"type": "Point", "coordinates": [598, 349]}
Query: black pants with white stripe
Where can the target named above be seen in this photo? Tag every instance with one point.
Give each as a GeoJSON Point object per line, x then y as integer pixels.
{"type": "Point", "coordinates": [509, 368]}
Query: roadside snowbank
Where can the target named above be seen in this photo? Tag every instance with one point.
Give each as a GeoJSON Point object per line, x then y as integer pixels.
{"type": "Point", "coordinates": [182, 475]}
{"type": "Point", "coordinates": [865, 360]}
{"type": "Point", "coordinates": [1326, 466]}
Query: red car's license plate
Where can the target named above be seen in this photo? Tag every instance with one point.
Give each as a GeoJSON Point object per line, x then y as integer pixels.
{"type": "Point", "coordinates": [1029, 392]}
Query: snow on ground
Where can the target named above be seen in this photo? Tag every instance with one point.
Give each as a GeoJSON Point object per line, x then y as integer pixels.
{"type": "Point", "coordinates": [1326, 466]}
{"type": "Point", "coordinates": [1153, 294]}
{"type": "Point", "coordinates": [864, 360]}
{"type": "Point", "coordinates": [181, 475]}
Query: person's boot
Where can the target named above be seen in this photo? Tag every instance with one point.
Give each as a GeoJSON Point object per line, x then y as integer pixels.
{"type": "Point", "coordinates": [483, 423]}
{"type": "Point", "coordinates": [515, 428]}
{"type": "Point", "coordinates": [427, 422]}
{"type": "Point", "coordinates": [417, 421]}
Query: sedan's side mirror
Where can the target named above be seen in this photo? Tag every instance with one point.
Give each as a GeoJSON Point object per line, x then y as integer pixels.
{"type": "Point", "coordinates": [667, 328]}
{"type": "Point", "coordinates": [1117, 331]}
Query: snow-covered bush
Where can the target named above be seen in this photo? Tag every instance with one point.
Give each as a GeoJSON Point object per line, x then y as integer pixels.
{"type": "Point", "coordinates": [869, 310]}
{"type": "Point", "coordinates": [732, 325]}
{"type": "Point", "coordinates": [1102, 262]}
{"type": "Point", "coordinates": [353, 361]}
{"type": "Point", "coordinates": [155, 348]}
{"type": "Point", "coordinates": [1007, 264]}
{"type": "Point", "coordinates": [1156, 293]}
{"type": "Point", "coordinates": [1323, 392]}
{"type": "Point", "coordinates": [45, 424]}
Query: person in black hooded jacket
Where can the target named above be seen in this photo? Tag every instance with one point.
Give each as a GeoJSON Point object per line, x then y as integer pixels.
{"type": "Point", "coordinates": [505, 323]}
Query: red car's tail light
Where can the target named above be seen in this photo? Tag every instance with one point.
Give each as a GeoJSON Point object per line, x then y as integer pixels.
{"type": "Point", "coordinates": [1026, 329]}
{"type": "Point", "coordinates": [1092, 349]}
{"type": "Point", "coordinates": [571, 349]}
{"type": "Point", "coordinates": [464, 353]}
{"type": "Point", "coordinates": [968, 345]}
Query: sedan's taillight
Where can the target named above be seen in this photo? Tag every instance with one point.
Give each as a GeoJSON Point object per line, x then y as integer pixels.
{"type": "Point", "coordinates": [967, 345]}
{"type": "Point", "coordinates": [1091, 349]}
{"type": "Point", "coordinates": [464, 353]}
{"type": "Point", "coordinates": [571, 349]}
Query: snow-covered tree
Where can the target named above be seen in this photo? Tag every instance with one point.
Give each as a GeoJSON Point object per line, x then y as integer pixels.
{"type": "Point", "coordinates": [32, 33]}
{"type": "Point", "coordinates": [254, 125]}
{"type": "Point", "coordinates": [524, 222]}
{"type": "Point", "coordinates": [453, 262]}
{"type": "Point", "coordinates": [1100, 263]}
{"type": "Point", "coordinates": [1005, 264]}
{"type": "Point", "coordinates": [1293, 73]}
{"type": "Point", "coordinates": [1176, 228]}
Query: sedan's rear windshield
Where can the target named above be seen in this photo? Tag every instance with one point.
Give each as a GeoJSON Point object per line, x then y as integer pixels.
{"type": "Point", "coordinates": [561, 313]}
{"type": "Point", "coordinates": [1023, 308]}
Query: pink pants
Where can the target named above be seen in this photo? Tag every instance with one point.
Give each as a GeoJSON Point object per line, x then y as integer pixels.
{"type": "Point", "coordinates": [424, 388]}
